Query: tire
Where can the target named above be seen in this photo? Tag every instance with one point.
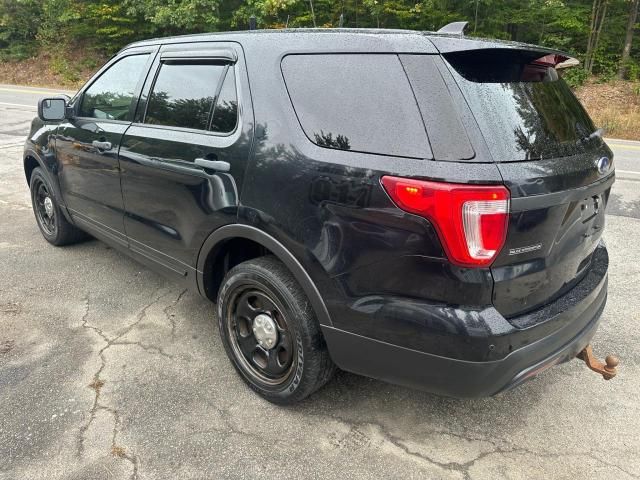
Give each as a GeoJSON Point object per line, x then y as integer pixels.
{"type": "Point", "coordinates": [51, 221]}
{"type": "Point", "coordinates": [261, 296]}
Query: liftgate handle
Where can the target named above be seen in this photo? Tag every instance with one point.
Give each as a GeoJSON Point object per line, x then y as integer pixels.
{"type": "Point", "coordinates": [217, 165]}
{"type": "Point", "coordinates": [101, 145]}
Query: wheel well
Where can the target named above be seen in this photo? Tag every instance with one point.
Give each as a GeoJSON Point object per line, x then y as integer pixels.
{"type": "Point", "coordinates": [224, 257]}
{"type": "Point", "coordinates": [235, 243]}
{"type": "Point", "coordinates": [30, 164]}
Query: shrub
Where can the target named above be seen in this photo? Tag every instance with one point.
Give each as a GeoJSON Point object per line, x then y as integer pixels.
{"type": "Point", "coordinates": [575, 77]}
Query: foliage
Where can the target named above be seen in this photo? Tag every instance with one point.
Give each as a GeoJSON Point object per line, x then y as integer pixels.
{"type": "Point", "coordinates": [606, 64]}
{"type": "Point", "coordinates": [633, 72]}
{"type": "Point", "coordinates": [575, 77]}
{"type": "Point", "coordinates": [107, 25]}
{"type": "Point", "coordinates": [172, 17]}
{"type": "Point", "coordinates": [19, 21]}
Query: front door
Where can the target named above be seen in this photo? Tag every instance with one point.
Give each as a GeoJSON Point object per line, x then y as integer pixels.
{"type": "Point", "coordinates": [184, 158]}
{"type": "Point", "coordinates": [87, 145]}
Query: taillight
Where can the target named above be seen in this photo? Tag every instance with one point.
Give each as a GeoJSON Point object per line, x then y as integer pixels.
{"type": "Point", "coordinates": [471, 220]}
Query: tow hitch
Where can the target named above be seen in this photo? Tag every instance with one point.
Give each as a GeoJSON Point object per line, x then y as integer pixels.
{"type": "Point", "coordinates": [607, 369]}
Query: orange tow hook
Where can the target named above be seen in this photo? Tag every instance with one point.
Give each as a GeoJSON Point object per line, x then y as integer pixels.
{"type": "Point", "coordinates": [607, 369]}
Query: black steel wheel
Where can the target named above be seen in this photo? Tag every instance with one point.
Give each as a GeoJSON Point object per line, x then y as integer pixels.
{"type": "Point", "coordinates": [55, 228]}
{"type": "Point", "coordinates": [270, 332]}
{"type": "Point", "coordinates": [43, 205]}
{"type": "Point", "coordinates": [260, 335]}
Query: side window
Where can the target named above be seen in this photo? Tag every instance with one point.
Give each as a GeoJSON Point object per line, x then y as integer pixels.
{"type": "Point", "coordinates": [183, 94]}
{"type": "Point", "coordinates": [225, 112]}
{"type": "Point", "coordinates": [356, 102]}
{"type": "Point", "coordinates": [111, 94]}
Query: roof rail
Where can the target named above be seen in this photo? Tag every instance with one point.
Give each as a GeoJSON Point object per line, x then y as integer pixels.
{"type": "Point", "coordinates": [454, 28]}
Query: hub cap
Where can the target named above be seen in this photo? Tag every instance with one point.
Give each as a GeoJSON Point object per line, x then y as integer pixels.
{"type": "Point", "coordinates": [48, 206]}
{"type": "Point", "coordinates": [265, 331]}
{"type": "Point", "coordinates": [260, 337]}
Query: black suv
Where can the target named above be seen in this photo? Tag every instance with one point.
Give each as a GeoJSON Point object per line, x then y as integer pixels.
{"type": "Point", "coordinates": [421, 208]}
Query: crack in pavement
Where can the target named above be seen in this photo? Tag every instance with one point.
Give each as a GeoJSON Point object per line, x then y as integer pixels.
{"type": "Point", "coordinates": [120, 452]}
{"type": "Point", "coordinates": [171, 316]}
{"type": "Point", "coordinates": [230, 428]}
{"type": "Point", "coordinates": [97, 383]}
{"type": "Point", "coordinates": [85, 321]}
{"type": "Point", "coordinates": [526, 451]}
{"type": "Point", "coordinates": [464, 467]}
{"type": "Point", "coordinates": [146, 347]}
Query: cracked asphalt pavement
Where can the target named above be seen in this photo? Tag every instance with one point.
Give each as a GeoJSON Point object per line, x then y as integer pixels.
{"type": "Point", "coordinates": [109, 371]}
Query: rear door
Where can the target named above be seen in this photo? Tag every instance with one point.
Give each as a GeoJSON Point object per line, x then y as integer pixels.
{"type": "Point", "coordinates": [556, 165]}
{"type": "Point", "coordinates": [184, 158]}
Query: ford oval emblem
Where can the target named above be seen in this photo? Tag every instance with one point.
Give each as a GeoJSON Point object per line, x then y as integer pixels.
{"type": "Point", "coordinates": [603, 165]}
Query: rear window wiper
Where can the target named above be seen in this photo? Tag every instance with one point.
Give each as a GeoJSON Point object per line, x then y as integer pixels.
{"type": "Point", "coordinates": [598, 133]}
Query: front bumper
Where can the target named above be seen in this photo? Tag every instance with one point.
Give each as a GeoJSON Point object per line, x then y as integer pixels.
{"type": "Point", "coordinates": [566, 330]}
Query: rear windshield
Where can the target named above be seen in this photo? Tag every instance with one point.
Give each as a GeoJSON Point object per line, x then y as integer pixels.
{"type": "Point", "coordinates": [524, 110]}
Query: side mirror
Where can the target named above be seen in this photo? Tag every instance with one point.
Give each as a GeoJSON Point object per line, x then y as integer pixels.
{"type": "Point", "coordinates": [52, 109]}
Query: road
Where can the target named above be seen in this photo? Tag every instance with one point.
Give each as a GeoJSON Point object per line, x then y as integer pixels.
{"type": "Point", "coordinates": [26, 97]}
{"type": "Point", "coordinates": [109, 371]}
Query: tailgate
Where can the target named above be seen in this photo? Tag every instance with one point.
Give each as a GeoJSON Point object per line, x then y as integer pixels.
{"type": "Point", "coordinates": [556, 221]}
{"type": "Point", "coordinates": [553, 161]}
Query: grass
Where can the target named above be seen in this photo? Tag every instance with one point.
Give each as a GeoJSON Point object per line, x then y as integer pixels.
{"type": "Point", "coordinates": [614, 107]}
{"type": "Point", "coordinates": [69, 70]}
{"type": "Point", "coordinates": [618, 124]}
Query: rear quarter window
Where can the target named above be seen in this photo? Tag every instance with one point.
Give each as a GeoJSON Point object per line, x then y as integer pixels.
{"type": "Point", "coordinates": [358, 102]}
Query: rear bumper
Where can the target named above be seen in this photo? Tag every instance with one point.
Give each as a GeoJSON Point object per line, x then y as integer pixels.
{"type": "Point", "coordinates": [574, 326]}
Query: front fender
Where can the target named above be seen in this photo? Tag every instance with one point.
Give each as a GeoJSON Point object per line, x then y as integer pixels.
{"type": "Point", "coordinates": [40, 151]}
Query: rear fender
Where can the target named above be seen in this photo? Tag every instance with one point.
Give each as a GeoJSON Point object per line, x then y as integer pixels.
{"type": "Point", "coordinates": [219, 236]}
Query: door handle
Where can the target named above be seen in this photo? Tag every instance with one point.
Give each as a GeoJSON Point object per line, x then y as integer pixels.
{"type": "Point", "coordinates": [101, 145]}
{"type": "Point", "coordinates": [218, 165]}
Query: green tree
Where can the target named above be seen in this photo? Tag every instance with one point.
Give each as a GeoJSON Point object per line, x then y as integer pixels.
{"type": "Point", "coordinates": [172, 17]}
{"type": "Point", "coordinates": [19, 21]}
{"type": "Point", "coordinates": [634, 5]}
{"type": "Point", "coordinates": [598, 15]}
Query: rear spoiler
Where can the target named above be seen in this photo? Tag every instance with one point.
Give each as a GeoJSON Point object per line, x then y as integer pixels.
{"type": "Point", "coordinates": [568, 63]}
{"type": "Point", "coordinates": [451, 39]}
